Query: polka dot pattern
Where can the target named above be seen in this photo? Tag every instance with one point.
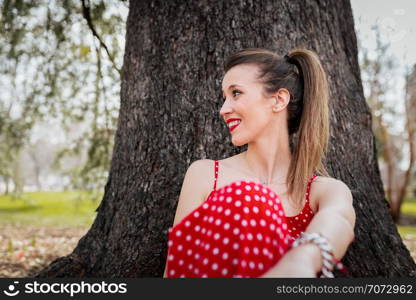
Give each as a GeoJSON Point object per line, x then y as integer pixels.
{"type": "Point", "coordinates": [239, 231]}
{"type": "Point", "coordinates": [298, 223]}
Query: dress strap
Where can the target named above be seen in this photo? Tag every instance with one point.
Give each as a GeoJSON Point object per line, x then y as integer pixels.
{"type": "Point", "coordinates": [216, 175]}
{"type": "Point", "coordinates": [309, 186]}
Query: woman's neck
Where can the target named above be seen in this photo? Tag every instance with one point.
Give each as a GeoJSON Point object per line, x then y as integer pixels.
{"type": "Point", "coordinates": [268, 164]}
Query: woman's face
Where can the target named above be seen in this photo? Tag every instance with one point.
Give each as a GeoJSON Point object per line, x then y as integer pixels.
{"type": "Point", "coordinates": [244, 100]}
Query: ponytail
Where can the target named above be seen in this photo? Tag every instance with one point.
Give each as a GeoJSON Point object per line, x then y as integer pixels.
{"type": "Point", "coordinates": [312, 136]}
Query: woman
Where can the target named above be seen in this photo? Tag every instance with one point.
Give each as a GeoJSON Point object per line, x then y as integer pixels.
{"type": "Point", "coordinates": [266, 219]}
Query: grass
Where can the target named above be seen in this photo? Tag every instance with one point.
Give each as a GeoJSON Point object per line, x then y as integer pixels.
{"type": "Point", "coordinates": [407, 231]}
{"type": "Point", "coordinates": [409, 208]}
{"type": "Point", "coordinates": [68, 208]}
{"type": "Point", "coordinates": [77, 209]}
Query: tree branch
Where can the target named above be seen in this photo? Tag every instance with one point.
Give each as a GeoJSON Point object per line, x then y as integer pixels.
{"type": "Point", "coordinates": [87, 15]}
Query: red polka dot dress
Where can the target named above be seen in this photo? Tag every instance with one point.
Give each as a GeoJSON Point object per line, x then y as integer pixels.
{"type": "Point", "coordinates": [239, 231]}
{"type": "Point", "coordinates": [297, 224]}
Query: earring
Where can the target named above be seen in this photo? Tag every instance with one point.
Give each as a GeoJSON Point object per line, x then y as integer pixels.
{"type": "Point", "coordinates": [275, 108]}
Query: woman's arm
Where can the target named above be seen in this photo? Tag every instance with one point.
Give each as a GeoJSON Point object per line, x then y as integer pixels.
{"type": "Point", "coordinates": [335, 220]}
{"type": "Point", "coordinates": [164, 272]}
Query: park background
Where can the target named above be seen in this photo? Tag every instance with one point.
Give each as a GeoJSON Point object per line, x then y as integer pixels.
{"type": "Point", "coordinates": [60, 66]}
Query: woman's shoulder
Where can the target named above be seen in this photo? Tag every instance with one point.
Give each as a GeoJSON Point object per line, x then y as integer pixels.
{"type": "Point", "coordinates": [206, 164]}
{"type": "Point", "coordinates": [335, 196]}
{"type": "Point", "coordinates": [327, 181]}
{"type": "Point", "coordinates": [202, 165]}
{"type": "Point", "coordinates": [201, 170]}
{"type": "Point", "coordinates": [326, 187]}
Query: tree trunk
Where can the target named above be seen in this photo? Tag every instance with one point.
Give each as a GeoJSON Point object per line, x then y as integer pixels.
{"type": "Point", "coordinates": [37, 167]}
{"type": "Point", "coordinates": [390, 165]}
{"type": "Point", "coordinates": [170, 99]}
{"type": "Point", "coordinates": [6, 184]}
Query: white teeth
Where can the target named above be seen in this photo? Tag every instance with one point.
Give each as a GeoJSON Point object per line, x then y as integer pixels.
{"type": "Point", "coordinates": [234, 123]}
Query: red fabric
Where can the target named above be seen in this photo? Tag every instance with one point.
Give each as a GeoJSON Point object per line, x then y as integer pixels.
{"type": "Point", "coordinates": [297, 224]}
{"type": "Point", "coordinates": [239, 231]}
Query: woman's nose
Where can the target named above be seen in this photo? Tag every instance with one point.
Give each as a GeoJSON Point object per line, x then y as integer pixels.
{"type": "Point", "coordinates": [225, 108]}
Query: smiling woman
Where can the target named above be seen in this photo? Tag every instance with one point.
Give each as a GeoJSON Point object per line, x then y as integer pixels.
{"type": "Point", "coordinates": [266, 219]}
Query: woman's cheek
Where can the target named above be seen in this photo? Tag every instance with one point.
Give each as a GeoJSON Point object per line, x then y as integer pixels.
{"type": "Point", "coordinates": [244, 136]}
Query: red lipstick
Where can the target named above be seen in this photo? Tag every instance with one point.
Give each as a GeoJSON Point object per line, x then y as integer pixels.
{"type": "Point", "coordinates": [234, 126]}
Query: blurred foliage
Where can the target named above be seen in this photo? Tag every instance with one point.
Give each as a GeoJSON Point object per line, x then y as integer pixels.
{"type": "Point", "coordinates": [52, 66]}
{"type": "Point", "coordinates": [393, 127]}
{"type": "Point", "coordinates": [378, 77]}
{"type": "Point", "coordinates": [408, 208]}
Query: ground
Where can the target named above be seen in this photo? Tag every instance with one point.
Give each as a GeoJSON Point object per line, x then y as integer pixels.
{"type": "Point", "coordinates": [35, 247]}
{"type": "Point", "coordinates": [25, 250]}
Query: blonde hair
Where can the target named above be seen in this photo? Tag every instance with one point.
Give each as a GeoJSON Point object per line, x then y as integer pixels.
{"type": "Point", "coordinates": [302, 74]}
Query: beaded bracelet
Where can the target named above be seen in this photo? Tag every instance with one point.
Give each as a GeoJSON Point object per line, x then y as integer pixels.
{"type": "Point", "coordinates": [328, 258]}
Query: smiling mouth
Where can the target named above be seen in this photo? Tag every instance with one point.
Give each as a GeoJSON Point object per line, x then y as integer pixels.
{"type": "Point", "coordinates": [232, 127]}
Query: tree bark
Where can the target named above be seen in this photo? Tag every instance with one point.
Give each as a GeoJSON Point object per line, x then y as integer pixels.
{"type": "Point", "coordinates": [170, 99]}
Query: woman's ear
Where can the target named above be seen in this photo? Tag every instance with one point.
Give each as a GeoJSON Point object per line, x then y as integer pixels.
{"type": "Point", "coordinates": [281, 99]}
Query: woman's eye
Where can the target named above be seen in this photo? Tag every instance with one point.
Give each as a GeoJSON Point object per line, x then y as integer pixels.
{"type": "Point", "coordinates": [234, 94]}
{"type": "Point", "coordinates": [236, 91]}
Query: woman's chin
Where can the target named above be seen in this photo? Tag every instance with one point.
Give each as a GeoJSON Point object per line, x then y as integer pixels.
{"type": "Point", "coordinates": [238, 142]}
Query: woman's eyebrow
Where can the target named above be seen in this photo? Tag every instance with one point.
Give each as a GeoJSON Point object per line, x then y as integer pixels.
{"type": "Point", "coordinates": [232, 86]}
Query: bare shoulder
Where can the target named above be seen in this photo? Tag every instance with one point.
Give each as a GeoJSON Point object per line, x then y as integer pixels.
{"type": "Point", "coordinates": [201, 173]}
{"type": "Point", "coordinates": [334, 197]}
{"type": "Point", "coordinates": [324, 185]}
{"type": "Point", "coordinates": [330, 182]}
{"type": "Point", "coordinates": [332, 191]}
{"type": "Point", "coordinates": [194, 187]}
{"type": "Point", "coordinates": [202, 168]}
{"type": "Point", "coordinates": [200, 164]}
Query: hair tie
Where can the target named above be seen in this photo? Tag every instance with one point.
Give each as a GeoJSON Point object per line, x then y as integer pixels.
{"type": "Point", "coordinates": [294, 62]}
{"type": "Point", "coordinates": [288, 59]}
